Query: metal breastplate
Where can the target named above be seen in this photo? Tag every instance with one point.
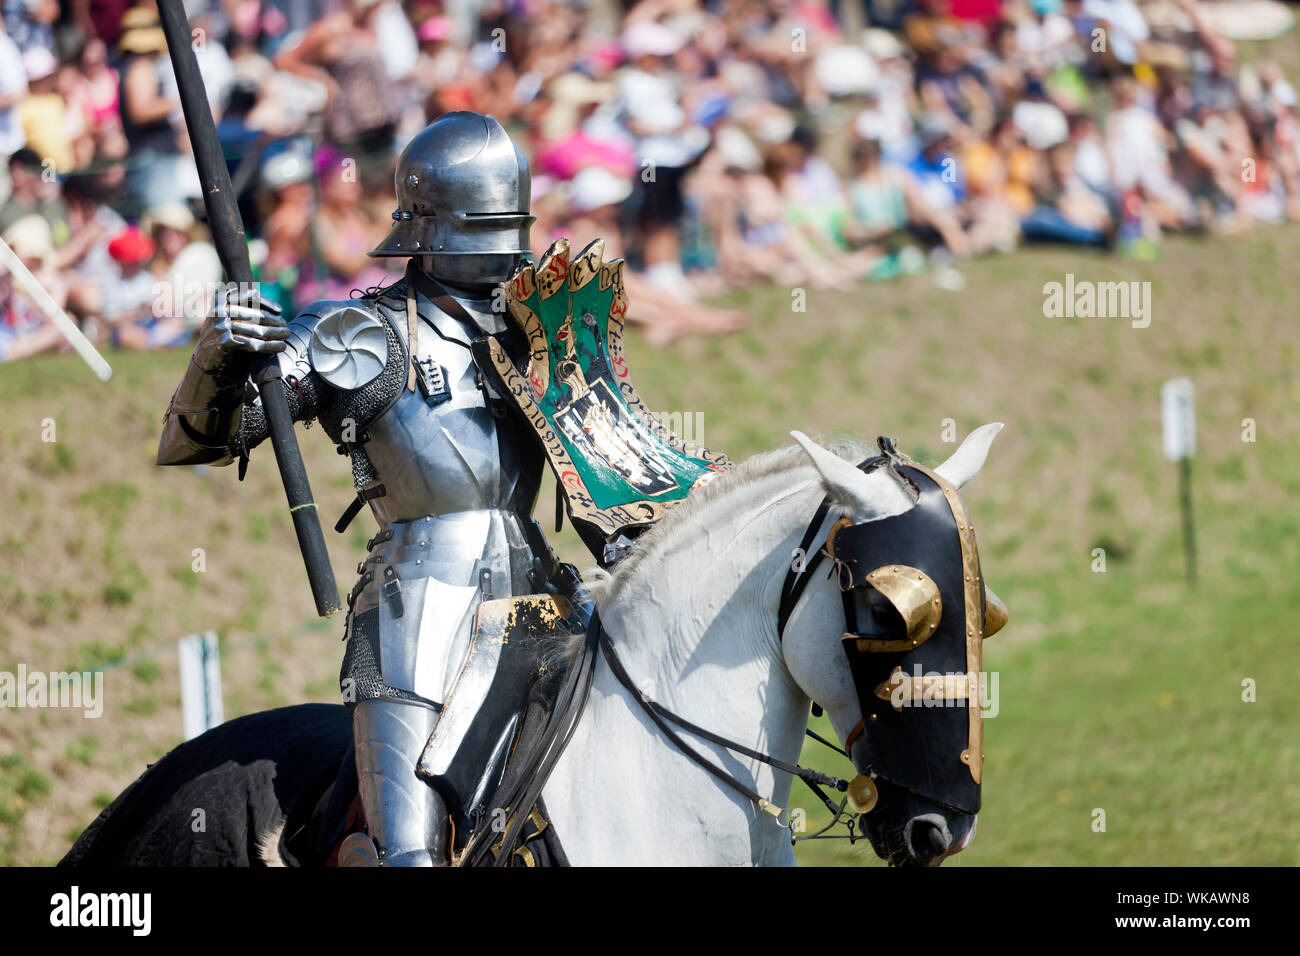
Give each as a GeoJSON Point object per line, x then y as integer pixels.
{"type": "Point", "coordinates": [459, 485]}
{"type": "Point", "coordinates": [437, 449]}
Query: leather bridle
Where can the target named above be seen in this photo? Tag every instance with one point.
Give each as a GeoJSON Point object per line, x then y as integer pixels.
{"type": "Point", "coordinates": [797, 578]}
{"type": "Point", "coordinates": [796, 582]}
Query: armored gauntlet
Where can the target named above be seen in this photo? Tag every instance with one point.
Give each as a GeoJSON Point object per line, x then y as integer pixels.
{"type": "Point", "coordinates": [203, 417]}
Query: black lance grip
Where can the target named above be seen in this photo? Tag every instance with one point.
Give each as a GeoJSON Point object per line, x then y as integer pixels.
{"type": "Point", "coordinates": [232, 247]}
{"type": "Point", "coordinates": [302, 507]}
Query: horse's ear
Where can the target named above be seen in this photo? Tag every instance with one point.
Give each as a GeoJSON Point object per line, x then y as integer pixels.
{"type": "Point", "coordinates": [850, 489]}
{"type": "Point", "coordinates": [969, 458]}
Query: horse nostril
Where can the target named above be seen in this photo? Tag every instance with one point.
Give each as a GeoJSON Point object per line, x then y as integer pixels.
{"type": "Point", "coordinates": [929, 839]}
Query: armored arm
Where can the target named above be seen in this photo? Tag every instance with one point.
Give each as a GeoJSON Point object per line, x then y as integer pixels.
{"type": "Point", "coordinates": [215, 414]}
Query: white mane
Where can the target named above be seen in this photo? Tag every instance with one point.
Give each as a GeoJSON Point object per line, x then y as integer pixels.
{"type": "Point", "coordinates": [603, 585]}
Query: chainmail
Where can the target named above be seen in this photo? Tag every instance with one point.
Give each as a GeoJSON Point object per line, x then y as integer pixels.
{"type": "Point", "coordinates": [361, 663]}
{"type": "Point", "coordinates": [304, 402]}
{"type": "Point", "coordinates": [363, 469]}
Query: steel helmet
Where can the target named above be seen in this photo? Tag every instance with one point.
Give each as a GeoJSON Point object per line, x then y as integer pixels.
{"type": "Point", "coordinates": [462, 200]}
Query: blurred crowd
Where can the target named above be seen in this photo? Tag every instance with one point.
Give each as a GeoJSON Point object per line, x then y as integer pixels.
{"type": "Point", "coordinates": [715, 145]}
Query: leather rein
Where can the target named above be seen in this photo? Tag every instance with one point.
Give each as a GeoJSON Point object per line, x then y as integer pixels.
{"type": "Point", "coordinates": [792, 590]}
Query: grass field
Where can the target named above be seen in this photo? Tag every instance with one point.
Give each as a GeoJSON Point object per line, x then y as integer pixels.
{"type": "Point", "coordinates": [1119, 690]}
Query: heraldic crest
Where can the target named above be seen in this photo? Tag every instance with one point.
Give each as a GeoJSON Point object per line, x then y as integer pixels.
{"type": "Point", "coordinates": [619, 467]}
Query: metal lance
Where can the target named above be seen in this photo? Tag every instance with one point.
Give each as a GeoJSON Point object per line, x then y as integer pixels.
{"type": "Point", "coordinates": [232, 246]}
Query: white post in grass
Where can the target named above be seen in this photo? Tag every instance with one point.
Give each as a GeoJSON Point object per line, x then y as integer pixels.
{"type": "Point", "coordinates": [200, 683]}
{"type": "Point", "coordinates": [1178, 418]}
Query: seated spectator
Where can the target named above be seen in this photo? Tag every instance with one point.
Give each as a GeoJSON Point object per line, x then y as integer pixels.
{"type": "Point", "coordinates": [136, 305]}
{"type": "Point", "coordinates": [814, 192]}
{"type": "Point", "coordinates": [84, 257]}
{"type": "Point", "coordinates": [78, 120]}
{"type": "Point", "coordinates": [1000, 172]}
{"type": "Point", "coordinates": [441, 65]}
{"type": "Point", "coordinates": [816, 209]}
{"type": "Point", "coordinates": [571, 139]}
{"type": "Point", "coordinates": [951, 91]}
{"type": "Point", "coordinates": [888, 205]}
{"type": "Point", "coordinates": [31, 23]}
{"type": "Point", "coordinates": [184, 262]}
{"type": "Point", "coordinates": [34, 190]}
{"type": "Point", "coordinates": [772, 245]}
{"type": "Point", "coordinates": [1066, 209]}
{"type": "Point", "coordinates": [342, 52]}
{"type": "Point", "coordinates": [1043, 37]}
{"type": "Point", "coordinates": [288, 204]}
{"type": "Point", "coordinates": [595, 197]}
{"type": "Point", "coordinates": [158, 172]}
{"type": "Point", "coordinates": [101, 87]}
{"type": "Point", "coordinates": [1138, 148]}
{"type": "Point", "coordinates": [25, 329]}
{"type": "Point", "coordinates": [1264, 195]}
{"type": "Point", "coordinates": [1090, 158]}
{"type": "Point", "coordinates": [44, 113]}
{"type": "Point", "coordinates": [342, 233]}
{"type": "Point", "coordinates": [13, 90]}
{"type": "Point", "coordinates": [1126, 28]}
{"type": "Point", "coordinates": [936, 169]}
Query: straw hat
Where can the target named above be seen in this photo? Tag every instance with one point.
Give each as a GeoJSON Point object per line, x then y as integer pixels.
{"type": "Point", "coordinates": [172, 215]}
{"type": "Point", "coordinates": [31, 238]}
{"type": "Point", "coordinates": [141, 32]}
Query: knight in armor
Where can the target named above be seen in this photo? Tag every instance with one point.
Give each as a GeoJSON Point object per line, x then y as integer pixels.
{"type": "Point", "coordinates": [450, 477]}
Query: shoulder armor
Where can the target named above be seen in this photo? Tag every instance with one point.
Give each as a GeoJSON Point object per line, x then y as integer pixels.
{"type": "Point", "coordinates": [346, 341]}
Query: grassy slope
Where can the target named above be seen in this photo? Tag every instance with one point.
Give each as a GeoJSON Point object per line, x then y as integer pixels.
{"type": "Point", "coordinates": [1118, 690]}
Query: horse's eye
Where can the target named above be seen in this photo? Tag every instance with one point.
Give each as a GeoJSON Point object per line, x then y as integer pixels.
{"type": "Point", "coordinates": [876, 615]}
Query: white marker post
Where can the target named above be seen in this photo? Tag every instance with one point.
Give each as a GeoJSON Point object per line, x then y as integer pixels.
{"type": "Point", "coordinates": [200, 683]}
{"type": "Point", "coordinates": [23, 276]}
{"type": "Point", "coordinates": [1178, 418]}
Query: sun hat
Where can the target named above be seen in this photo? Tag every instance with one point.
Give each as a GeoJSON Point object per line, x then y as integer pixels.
{"type": "Point", "coordinates": [141, 32]}
{"type": "Point", "coordinates": [284, 169]}
{"type": "Point", "coordinates": [651, 39]}
{"type": "Point", "coordinates": [172, 215]}
{"type": "Point", "coordinates": [596, 186]}
{"type": "Point", "coordinates": [434, 29]}
{"type": "Point", "coordinates": [39, 63]}
{"type": "Point", "coordinates": [31, 238]}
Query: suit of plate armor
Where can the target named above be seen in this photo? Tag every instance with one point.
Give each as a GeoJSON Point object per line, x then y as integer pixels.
{"type": "Point", "coordinates": [450, 477]}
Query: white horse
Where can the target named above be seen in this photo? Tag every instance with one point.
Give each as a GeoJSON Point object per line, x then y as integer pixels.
{"type": "Point", "coordinates": [692, 612]}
